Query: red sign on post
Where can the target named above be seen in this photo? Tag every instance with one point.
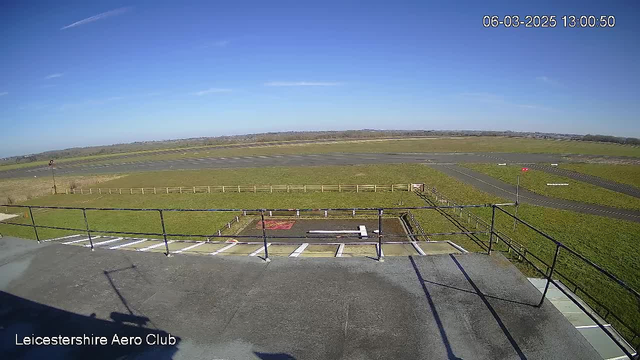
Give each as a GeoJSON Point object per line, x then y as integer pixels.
{"type": "Point", "coordinates": [525, 169]}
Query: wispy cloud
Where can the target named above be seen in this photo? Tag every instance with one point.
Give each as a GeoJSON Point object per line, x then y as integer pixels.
{"type": "Point", "coordinates": [212, 91]}
{"type": "Point", "coordinates": [4, 93]}
{"type": "Point", "coordinates": [301, 83]}
{"type": "Point", "coordinates": [547, 80]}
{"type": "Point", "coordinates": [53, 76]}
{"type": "Point", "coordinates": [98, 17]}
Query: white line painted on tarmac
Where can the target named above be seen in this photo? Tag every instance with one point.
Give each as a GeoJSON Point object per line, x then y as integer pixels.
{"type": "Point", "coordinates": [190, 247]}
{"type": "Point", "coordinates": [418, 248]}
{"type": "Point", "coordinates": [127, 244]}
{"type": "Point", "coordinates": [340, 250]}
{"type": "Point", "coordinates": [104, 242]}
{"type": "Point", "coordinates": [62, 238]}
{"type": "Point", "coordinates": [155, 246]}
{"type": "Point", "coordinates": [299, 250]}
{"type": "Point", "coordinates": [223, 249]}
{"type": "Point", "coordinates": [259, 250]}
{"type": "Point", "coordinates": [77, 241]}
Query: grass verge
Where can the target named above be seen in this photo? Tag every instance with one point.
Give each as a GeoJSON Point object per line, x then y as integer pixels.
{"type": "Point", "coordinates": [536, 181]}
{"type": "Point", "coordinates": [622, 173]}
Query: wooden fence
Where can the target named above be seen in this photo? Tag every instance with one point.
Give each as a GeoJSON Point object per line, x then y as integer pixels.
{"type": "Point", "coordinates": [245, 189]}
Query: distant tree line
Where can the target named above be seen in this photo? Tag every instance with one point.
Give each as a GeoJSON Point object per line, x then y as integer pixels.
{"type": "Point", "coordinates": [299, 136]}
{"type": "Point", "coordinates": [612, 139]}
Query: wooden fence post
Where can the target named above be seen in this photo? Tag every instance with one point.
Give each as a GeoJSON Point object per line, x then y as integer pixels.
{"type": "Point", "coordinates": [321, 188]}
{"type": "Point", "coordinates": [375, 188]}
{"type": "Point", "coordinates": [167, 190]}
{"type": "Point", "coordinates": [90, 191]}
{"type": "Point", "coordinates": [120, 191]}
{"type": "Point", "coordinates": [238, 188]}
{"type": "Point", "coordinates": [255, 189]}
{"type": "Point", "coordinates": [131, 190]}
{"type": "Point", "coordinates": [271, 188]}
{"type": "Point", "coordinates": [223, 188]}
{"type": "Point", "coordinates": [154, 191]}
{"type": "Point", "coordinates": [391, 187]}
{"type": "Point", "coordinates": [305, 188]}
{"type": "Point", "coordinates": [357, 188]}
{"type": "Point", "coordinates": [142, 190]}
{"type": "Point", "coordinates": [340, 188]}
{"type": "Point", "coordinates": [209, 189]}
{"type": "Point", "coordinates": [180, 189]}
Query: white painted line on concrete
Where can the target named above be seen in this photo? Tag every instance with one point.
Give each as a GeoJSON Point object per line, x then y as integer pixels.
{"type": "Point", "coordinates": [418, 248]}
{"type": "Point", "coordinates": [190, 247]}
{"type": "Point", "coordinates": [458, 247]}
{"type": "Point", "coordinates": [363, 231]}
{"type": "Point", "coordinates": [259, 250]}
{"type": "Point", "coordinates": [299, 250]}
{"type": "Point", "coordinates": [334, 231]}
{"type": "Point", "coordinates": [104, 242]}
{"type": "Point", "coordinates": [81, 240]}
{"type": "Point", "coordinates": [127, 244]}
{"type": "Point", "coordinates": [155, 246]}
{"type": "Point", "coordinates": [340, 250]}
{"type": "Point", "coordinates": [62, 238]}
{"type": "Point", "coordinates": [223, 249]}
{"type": "Point", "coordinates": [591, 326]}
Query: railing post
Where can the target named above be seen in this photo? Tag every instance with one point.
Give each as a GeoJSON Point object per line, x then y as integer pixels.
{"type": "Point", "coordinates": [164, 234]}
{"type": "Point", "coordinates": [33, 224]}
{"type": "Point", "coordinates": [380, 256]}
{"type": "Point", "coordinates": [264, 237]}
{"type": "Point", "coordinates": [493, 219]}
{"type": "Point", "coordinates": [86, 223]}
{"type": "Point", "coordinates": [553, 266]}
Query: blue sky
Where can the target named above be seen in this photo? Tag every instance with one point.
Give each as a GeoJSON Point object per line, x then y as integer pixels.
{"type": "Point", "coordinates": [101, 72]}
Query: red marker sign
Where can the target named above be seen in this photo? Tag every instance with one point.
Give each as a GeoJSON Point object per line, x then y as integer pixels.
{"type": "Point", "coordinates": [525, 169]}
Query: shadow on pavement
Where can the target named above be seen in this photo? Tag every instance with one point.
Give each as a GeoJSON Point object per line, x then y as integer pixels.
{"type": "Point", "coordinates": [21, 318]}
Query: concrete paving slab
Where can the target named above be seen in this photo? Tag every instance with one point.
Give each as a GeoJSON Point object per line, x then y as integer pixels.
{"type": "Point", "coordinates": [399, 250]}
{"type": "Point", "coordinates": [281, 250]}
{"type": "Point", "coordinates": [360, 250]}
{"type": "Point", "coordinates": [206, 249]}
{"type": "Point", "coordinates": [240, 249]}
{"type": "Point", "coordinates": [434, 248]}
{"type": "Point", "coordinates": [314, 250]}
{"type": "Point", "coordinates": [469, 306]}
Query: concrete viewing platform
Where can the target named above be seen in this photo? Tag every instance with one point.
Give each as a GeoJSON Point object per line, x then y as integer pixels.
{"type": "Point", "coordinates": [449, 306]}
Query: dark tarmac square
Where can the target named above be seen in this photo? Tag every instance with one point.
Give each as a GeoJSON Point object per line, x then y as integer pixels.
{"type": "Point", "coordinates": [466, 306]}
{"type": "Point", "coordinates": [391, 227]}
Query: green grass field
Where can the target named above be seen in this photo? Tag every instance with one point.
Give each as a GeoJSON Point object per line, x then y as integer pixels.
{"type": "Point", "coordinates": [536, 181]}
{"type": "Point", "coordinates": [446, 144]}
{"type": "Point", "coordinates": [610, 243]}
{"type": "Point", "coordinates": [622, 173]}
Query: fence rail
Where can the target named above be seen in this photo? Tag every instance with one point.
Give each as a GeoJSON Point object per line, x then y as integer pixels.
{"type": "Point", "coordinates": [208, 189]}
{"type": "Point", "coordinates": [549, 270]}
{"type": "Point", "coordinates": [548, 274]}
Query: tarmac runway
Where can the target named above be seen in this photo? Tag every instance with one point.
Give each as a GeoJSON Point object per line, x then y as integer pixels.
{"type": "Point", "coordinates": [507, 191]}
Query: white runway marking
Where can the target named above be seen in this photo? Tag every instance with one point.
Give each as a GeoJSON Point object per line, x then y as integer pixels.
{"type": "Point", "coordinates": [155, 246]}
{"type": "Point", "coordinates": [81, 240]}
{"type": "Point", "coordinates": [190, 247]}
{"type": "Point", "coordinates": [127, 244]}
{"type": "Point", "coordinates": [340, 250]}
{"type": "Point", "coordinates": [259, 250]}
{"type": "Point", "coordinates": [223, 249]}
{"type": "Point", "coordinates": [299, 250]}
{"type": "Point", "coordinates": [104, 242]}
